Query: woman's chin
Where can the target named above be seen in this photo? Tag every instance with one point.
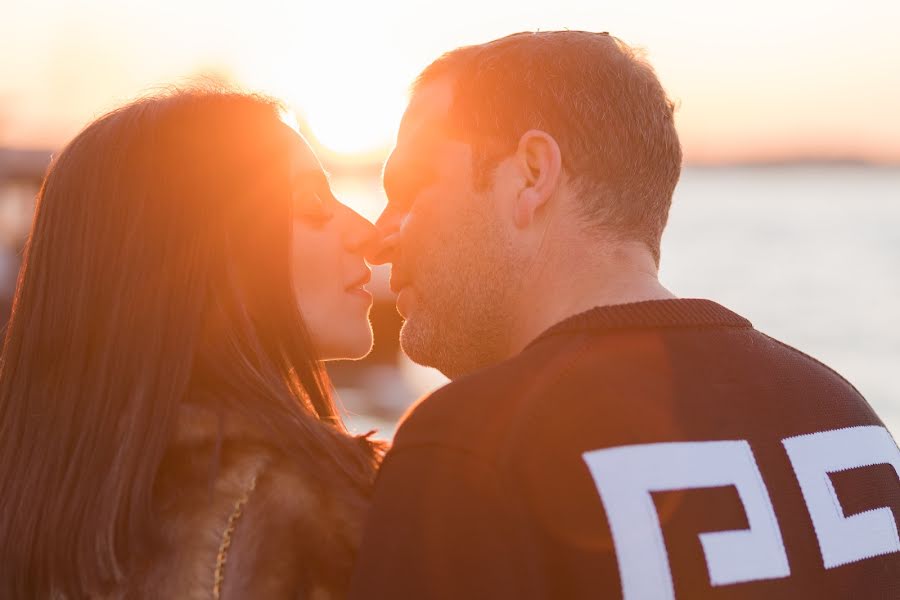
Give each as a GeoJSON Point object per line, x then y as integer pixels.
{"type": "Point", "coordinates": [348, 348]}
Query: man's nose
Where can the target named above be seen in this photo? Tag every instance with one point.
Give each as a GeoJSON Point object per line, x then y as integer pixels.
{"type": "Point", "coordinates": [383, 250]}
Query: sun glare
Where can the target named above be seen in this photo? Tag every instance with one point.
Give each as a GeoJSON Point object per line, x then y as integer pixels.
{"type": "Point", "coordinates": [289, 118]}
{"type": "Point", "coordinates": [350, 101]}
{"type": "Point", "coordinates": [352, 121]}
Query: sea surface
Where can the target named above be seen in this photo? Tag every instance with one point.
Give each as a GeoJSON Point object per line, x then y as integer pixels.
{"type": "Point", "coordinates": [810, 254]}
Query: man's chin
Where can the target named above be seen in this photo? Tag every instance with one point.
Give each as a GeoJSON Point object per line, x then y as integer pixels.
{"type": "Point", "coordinates": [415, 344]}
{"type": "Point", "coordinates": [425, 342]}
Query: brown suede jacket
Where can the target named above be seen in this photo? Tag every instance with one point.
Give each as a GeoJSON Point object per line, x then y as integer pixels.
{"type": "Point", "coordinates": [290, 537]}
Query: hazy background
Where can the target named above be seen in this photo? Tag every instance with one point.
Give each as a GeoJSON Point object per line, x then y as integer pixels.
{"type": "Point", "coordinates": [761, 80]}
{"type": "Point", "coordinates": [789, 207]}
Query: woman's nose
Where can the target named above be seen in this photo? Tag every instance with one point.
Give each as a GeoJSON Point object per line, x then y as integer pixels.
{"type": "Point", "coordinates": [359, 235]}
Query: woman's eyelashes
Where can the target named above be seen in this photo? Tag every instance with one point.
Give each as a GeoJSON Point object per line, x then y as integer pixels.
{"type": "Point", "coordinates": [314, 206]}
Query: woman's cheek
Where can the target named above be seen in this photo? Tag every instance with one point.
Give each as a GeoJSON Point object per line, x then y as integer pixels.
{"type": "Point", "coordinates": [317, 271]}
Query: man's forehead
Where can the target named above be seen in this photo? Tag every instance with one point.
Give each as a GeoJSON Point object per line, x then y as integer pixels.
{"type": "Point", "coordinates": [424, 119]}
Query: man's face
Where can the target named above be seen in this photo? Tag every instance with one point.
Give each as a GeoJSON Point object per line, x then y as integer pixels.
{"type": "Point", "coordinates": [449, 244]}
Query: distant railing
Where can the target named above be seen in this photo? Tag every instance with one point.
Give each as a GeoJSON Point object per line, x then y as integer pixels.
{"type": "Point", "coordinates": [27, 165]}
{"type": "Point", "coordinates": [21, 173]}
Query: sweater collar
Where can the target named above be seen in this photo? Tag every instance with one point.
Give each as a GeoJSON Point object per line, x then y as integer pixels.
{"type": "Point", "coordinates": [650, 314]}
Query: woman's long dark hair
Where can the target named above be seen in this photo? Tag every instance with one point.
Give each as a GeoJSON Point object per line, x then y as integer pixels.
{"type": "Point", "coordinates": [157, 271]}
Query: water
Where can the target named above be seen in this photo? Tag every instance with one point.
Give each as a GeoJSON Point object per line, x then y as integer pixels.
{"type": "Point", "coordinates": [811, 255]}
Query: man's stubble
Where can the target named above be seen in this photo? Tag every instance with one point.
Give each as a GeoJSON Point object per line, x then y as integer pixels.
{"type": "Point", "coordinates": [466, 295]}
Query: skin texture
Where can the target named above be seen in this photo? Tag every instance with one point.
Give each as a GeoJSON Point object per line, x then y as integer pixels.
{"type": "Point", "coordinates": [329, 271]}
{"type": "Point", "coordinates": [482, 272]}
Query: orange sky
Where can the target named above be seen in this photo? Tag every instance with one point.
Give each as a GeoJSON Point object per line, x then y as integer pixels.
{"type": "Point", "coordinates": [754, 81]}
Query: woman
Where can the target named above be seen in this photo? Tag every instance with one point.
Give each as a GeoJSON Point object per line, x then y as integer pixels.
{"type": "Point", "coordinates": [166, 427]}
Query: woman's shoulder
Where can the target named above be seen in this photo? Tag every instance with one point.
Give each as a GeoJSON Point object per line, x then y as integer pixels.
{"type": "Point", "coordinates": [290, 533]}
{"type": "Point", "coordinates": [239, 514]}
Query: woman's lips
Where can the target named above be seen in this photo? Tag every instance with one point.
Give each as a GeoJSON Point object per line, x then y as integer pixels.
{"type": "Point", "coordinates": [361, 292]}
{"type": "Point", "coordinates": [357, 288]}
{"type": "Point", "coordinates": [360, 281]}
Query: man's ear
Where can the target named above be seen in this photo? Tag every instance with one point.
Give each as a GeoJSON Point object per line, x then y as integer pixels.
{"type": "Point", "coordinates": [539, 163]}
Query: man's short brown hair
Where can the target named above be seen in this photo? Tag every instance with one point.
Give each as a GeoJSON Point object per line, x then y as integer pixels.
{"type": "Point", "coordinates": [596, 96]}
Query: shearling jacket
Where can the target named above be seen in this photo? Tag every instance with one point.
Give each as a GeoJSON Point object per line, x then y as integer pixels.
{"type": "Point", "coordinates": [254, 526]}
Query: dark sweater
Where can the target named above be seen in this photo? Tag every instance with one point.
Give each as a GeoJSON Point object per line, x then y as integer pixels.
{"type": "Point", "coordinates": [651, 450]}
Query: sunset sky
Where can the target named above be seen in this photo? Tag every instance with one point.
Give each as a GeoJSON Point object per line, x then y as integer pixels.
{"type": "Point", "coordinates": [765, 80]}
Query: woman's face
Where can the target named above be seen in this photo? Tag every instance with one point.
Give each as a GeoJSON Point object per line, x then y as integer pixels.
{"type": "Point", "coordinates": [329, 272]}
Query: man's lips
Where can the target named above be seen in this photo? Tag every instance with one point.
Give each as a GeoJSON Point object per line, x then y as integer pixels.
{"type": "Point", "coordinates": [398, 282]}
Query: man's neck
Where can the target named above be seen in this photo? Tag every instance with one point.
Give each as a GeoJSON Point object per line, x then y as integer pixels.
{"type": "Point", "coordinates": [578, 284]}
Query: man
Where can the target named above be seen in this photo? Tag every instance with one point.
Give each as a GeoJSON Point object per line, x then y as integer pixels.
{"type": "Point", "coordinates": [600, 438]}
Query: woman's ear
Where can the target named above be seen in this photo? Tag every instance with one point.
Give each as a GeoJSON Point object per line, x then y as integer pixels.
{"type": "Point", "coordinates": [539, 163]}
